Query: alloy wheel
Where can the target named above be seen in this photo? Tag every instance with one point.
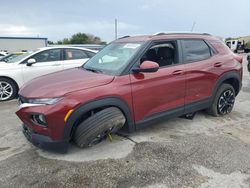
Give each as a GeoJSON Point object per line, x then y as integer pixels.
{"type": "Point", "coordinates": [6, 90]}
{"type": "Point", "coordinates": [226, 102]}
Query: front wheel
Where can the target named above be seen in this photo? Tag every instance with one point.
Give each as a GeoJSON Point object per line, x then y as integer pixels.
{"type": "Point", "coordinates": [223, 102]}
{"type": "Point", "coordinates": [95, 128]}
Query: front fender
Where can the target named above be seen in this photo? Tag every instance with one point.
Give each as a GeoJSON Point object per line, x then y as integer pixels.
{"type": "Point", "coordinates": [111, 101]}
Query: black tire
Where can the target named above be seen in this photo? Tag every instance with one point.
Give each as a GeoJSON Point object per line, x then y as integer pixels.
{"type": "Point", "coordinates": [94, 129]}
{"type": "Point", "coordinates": [12, 89]}
{"type": "Point", "coordinates": [223, 102]}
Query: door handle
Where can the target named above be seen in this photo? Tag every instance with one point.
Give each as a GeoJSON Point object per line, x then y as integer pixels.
{"type": "Point", "coordinates": [178, 72]}
{"type": "Point", "coordinates": [218, 64]}
{"type": "Point", "coordinates": [56, 64]}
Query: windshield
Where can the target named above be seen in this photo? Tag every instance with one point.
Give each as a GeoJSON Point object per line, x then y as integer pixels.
{"type": "Point", "coordinates": [9, 57]}
{"type": "Point", "coordinates": [113, 58]}
{"type": "Point", "coordinates": [20, 57]}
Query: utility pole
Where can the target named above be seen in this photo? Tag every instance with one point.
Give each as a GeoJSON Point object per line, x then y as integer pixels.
{"type": "Point", "coordinates": [115, 29]}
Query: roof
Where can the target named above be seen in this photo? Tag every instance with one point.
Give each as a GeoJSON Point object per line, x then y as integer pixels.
{"type": "Point", "coordinates": [66, 47]}
{"type": "Point", "coordinates": [162, 36]}
{"type": "Point", "coordinates": [33, 38]}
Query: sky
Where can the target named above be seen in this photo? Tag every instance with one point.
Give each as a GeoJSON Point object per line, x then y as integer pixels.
{"type": "Point", "coordinates": [58, 19]}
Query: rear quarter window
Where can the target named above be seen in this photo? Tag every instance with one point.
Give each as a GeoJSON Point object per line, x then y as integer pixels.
{"type": "Point", "coordinates": [195, 50]}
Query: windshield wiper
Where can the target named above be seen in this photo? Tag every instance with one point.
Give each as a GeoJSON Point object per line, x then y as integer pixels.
{"type": "Point", "coordinates": [92, 70]}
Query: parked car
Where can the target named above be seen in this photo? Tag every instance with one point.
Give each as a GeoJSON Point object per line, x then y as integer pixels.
{"type": "Point", "coordinates": [28, 66]}
{"type": "Point", "coordinates": [7, 58]}
{"type": "Point", "coordinates": [248, 64]}
{"type": "Point", "coordinates": [96, 47]}
{"type": "Point", "coordinates": [132, 82]}
{"type": "Point", "coordinates": [239, 46]}
{"type": "Point", "coordinates": [2, 54]}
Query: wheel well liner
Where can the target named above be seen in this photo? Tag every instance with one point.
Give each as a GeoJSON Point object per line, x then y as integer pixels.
{"type": "Point", "coordinates": [107, 102]}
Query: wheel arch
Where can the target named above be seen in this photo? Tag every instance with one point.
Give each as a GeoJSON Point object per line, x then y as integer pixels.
{"type": "Point", "coordinates": [232, 78]}
{"type": "Point", "coordinates": [71, 123]}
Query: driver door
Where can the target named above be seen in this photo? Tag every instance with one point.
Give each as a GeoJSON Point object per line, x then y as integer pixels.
{"type": "Point", "coordinates": [162, 91]}
{"type": "Point", "coordinates": [47, 61]}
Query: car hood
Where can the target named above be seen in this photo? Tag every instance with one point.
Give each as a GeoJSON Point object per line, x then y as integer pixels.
{"type": "Point", "coordinates": [63, 82]}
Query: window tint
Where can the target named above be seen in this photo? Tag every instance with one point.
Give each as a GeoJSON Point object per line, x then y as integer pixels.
{"type": "Point", "coordinates": [48, 55]}
{"type": "Point", "coordinates": [164, 54]}
{"type": "Point", "coordinates": [90, 54]}
{"type": "Point", "coordinates": [71, 54]}
{"type": "Point", "coordinates": [195, 50]}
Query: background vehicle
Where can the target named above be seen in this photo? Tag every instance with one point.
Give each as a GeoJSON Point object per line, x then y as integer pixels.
{"type": "Point", "coordinates": [7, 58]}
{"type": "Point", "coordinates": [132, 82]}
{"type": "Point", "coordinates": [96, 47]}
{"type": "Point", "coordinates": [43, 61]}
{"type": "Point", "coordinates": [3, 54]}
{"type": "Point", "coordinates": [248, 64]}
{"type": "Point", "coordinates": [239, 46]}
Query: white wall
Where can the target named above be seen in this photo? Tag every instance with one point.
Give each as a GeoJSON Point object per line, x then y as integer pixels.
{"type": "Point", "coordinates": [16, 45]}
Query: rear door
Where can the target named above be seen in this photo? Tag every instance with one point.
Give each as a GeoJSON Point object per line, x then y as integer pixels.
{"type": "Point", "coordinates": [201, 64]}
{"type": "Point", "coordinates": [161, 91]}
{"type": "Point", "coordinates": [47, 61]}
{"type": "Point", "coordinates": [74, 58]}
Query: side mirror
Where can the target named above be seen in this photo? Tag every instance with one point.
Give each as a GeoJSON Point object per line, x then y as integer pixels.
{"type": "Point", "coordinates": [147, 66]}
{"type": "Point", "coordinates": [31, 62]}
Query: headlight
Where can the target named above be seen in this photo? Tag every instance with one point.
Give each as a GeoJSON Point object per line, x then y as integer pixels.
{"type": "Point", "coordinates": [45, 101]}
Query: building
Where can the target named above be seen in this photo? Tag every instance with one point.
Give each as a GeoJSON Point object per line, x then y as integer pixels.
{"type": "Point", "coordinates": [16, 44]}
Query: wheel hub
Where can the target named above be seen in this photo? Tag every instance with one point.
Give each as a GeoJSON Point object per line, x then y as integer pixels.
{"type": "Point", "coordinates": [100, 137]}
{"type": "Point", "coordinates": [6, 90]}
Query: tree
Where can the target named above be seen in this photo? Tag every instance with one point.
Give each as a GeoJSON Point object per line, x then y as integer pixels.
{"type": "Point", "coordinates": [232, 38]}
{"type": "Point", "coordinates": [66, 41]}
{"type": "Point", "coordinates": [82, 38]}
{"type": "Point", "coordinates": [50, 42]}
{"type": "Point", "coordinates": [59, 42]}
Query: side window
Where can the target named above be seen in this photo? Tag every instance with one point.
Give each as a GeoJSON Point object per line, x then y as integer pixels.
{"type": "Point", "coordinates": [90, 54]}
{"type": "Point", "coordinates": [195, 50]}
{"type": "Point", "coordinates": [165, 54]}
{"type": "Point", "coordinates": [48, 55]}
{"type": "Point", "coordinates": [71, 54]}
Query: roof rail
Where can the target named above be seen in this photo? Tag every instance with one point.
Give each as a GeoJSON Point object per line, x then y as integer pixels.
{"type": "Point", "coordinates": [178, 33]}
{"type": "Point", "coordinates": [126, 36]}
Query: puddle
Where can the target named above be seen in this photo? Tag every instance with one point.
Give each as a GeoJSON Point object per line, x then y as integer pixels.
{"type": "Point", "coordinates": [105, 150]}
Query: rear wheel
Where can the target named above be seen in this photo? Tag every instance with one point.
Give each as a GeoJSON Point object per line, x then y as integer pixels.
{"type": "Point", "coordinates": [8, 89]}
{"type": "Point", "coordinates": [223, 102]}
{"type": "Point", "coordinates": [96, 128]}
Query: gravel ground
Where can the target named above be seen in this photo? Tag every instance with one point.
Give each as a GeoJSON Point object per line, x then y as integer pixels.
{"type": "Point", "coordinates": [203, 152]}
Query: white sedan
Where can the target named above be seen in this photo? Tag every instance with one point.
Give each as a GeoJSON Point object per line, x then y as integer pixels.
{"type": "Point", "coordinates": [24, 68]}
{"type": "Point", "coordinates": [2, 54]}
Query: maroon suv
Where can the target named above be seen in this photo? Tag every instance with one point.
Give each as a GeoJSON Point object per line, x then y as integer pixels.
{"type": "Point", "coordinates": [130, 83]}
